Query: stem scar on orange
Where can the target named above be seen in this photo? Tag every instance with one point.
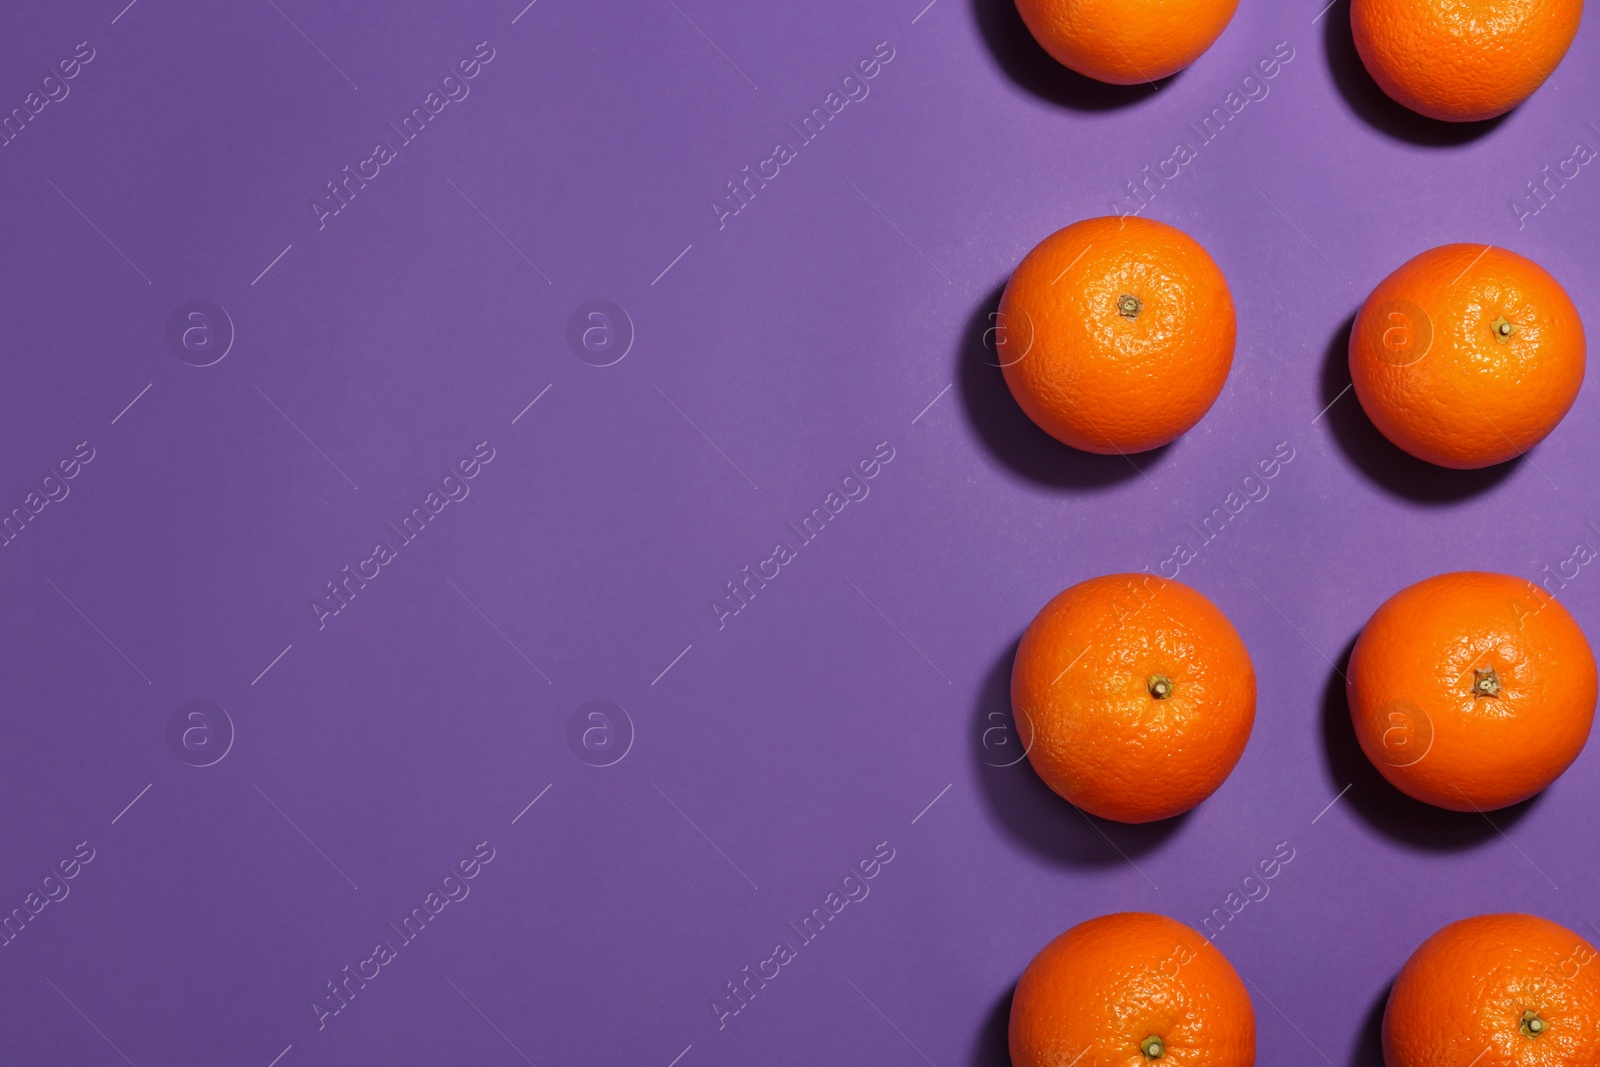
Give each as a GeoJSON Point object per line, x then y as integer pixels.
{"type": "Point", "coordinates": [1467, 356]}
{"type": "Point", "coordinates": [1463, 60]}
{"type": "Point", "coordinates": [1496, 991]}
{"type": "Point", "coordinates": [1128, 990]}
{"type": "Point", "coordinates": [1126, 42]}
{"type": "Point", "coordinates": [1133, 696]}
{"type": "Point", "coordinates": [1116, 334]}
{"type": "Point", "coordinates": [1471, 691]}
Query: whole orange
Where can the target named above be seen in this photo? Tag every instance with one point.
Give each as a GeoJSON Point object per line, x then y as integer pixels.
{"type": "Point", "coordinates": [1126, 42]}
{"type": "Point", "coordinates": [1471, 691]}
{"type": "Point", "coordinates": [1467, 355]}
{"type": "Point", "coordinates": [1463, 60]}
{"type": "Point", "coordinates": [1133, 696]}
{"type": "Point", "coordinates": [1496, 991]}
{"type": "Point", "coordinates": [1128, 990]}
{"type": "Point", "coordinates": [1116, 334]}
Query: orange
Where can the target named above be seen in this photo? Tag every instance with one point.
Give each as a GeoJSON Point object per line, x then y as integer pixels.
{"type": "Point", "coordinates": [1116, 334]}
{"type": "Point", "coordinates": [1463, 60]}
{"type": "Point", "coordinates": [1133, 696]}
{"type": "Point", "coordinates": [1496, 991]}
{"type": "Point", "coordinates": [1129, 990]}
{"type": "Point", "coordinates": [1126, 42]}
{"type": "Point", "coordinates": [1467, 355]}
{"type": "Point", "coordinates": [1471, 691]}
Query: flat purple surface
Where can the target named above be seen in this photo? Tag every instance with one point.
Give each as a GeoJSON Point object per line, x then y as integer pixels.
{"type": "Point", "coordinates": [847, 706]}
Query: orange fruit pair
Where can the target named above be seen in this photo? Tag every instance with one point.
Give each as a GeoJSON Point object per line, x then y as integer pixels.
{"type": "Point", "coordinates": [1471, 691]}
{"type": "Point", "coordinates": [1133, 696]}
{"type": "Point", "coordinates": [1126, 42]}
{"type": "Point", "coordinates": [1129, 990]}
{"type": "Point", "coordinates": [1117, 334]}
{"type": "Point", "coordinates": [1463, 60]}
{"type": "Point", "coordinates": [1468, 355]}
{"type": "Point", "coordinates": [1496, 991]}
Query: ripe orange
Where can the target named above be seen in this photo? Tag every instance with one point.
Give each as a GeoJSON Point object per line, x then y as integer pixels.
{"type": "Point", "coordinates": [1467, 355]}
{"type": "Point", "coordinates": [1126, 42]}
{"type": "Point", "coordinates": [1133, 696]}
{"type": "Point", "coordinates": [1117, 334]}
{"type": "Point", "coordinates": [1496, 991]}
{"type": "Point", "coordinates": [1471, 691]}
{"type": "Point", "coordinates": [1463, 60]}
{"type": "Point", "coordinates": [1127, 990]}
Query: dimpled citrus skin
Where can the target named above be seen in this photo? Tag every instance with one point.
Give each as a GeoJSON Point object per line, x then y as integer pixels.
{"type": "Point", "coordinates": [1471, 400]}
{"type": "Point", "coordinates": [1463, 60]}
{"type": "Point", "coordinates": [1106, 985]}
{"type": "Point", "coordinates": [1085, 714]}
{"type": "Point", "coordinates": [1462, 996]}
{"type": "Point", "coordinates": [1126, 42]}
{"type": "Point", "coordinates": [1426, 645]}
{"type": "Point", "coordinates": [1085, 372]}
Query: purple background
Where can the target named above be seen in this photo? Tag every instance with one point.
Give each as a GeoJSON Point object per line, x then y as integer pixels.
{"type": "Point", "coordinates": [850, 295]}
